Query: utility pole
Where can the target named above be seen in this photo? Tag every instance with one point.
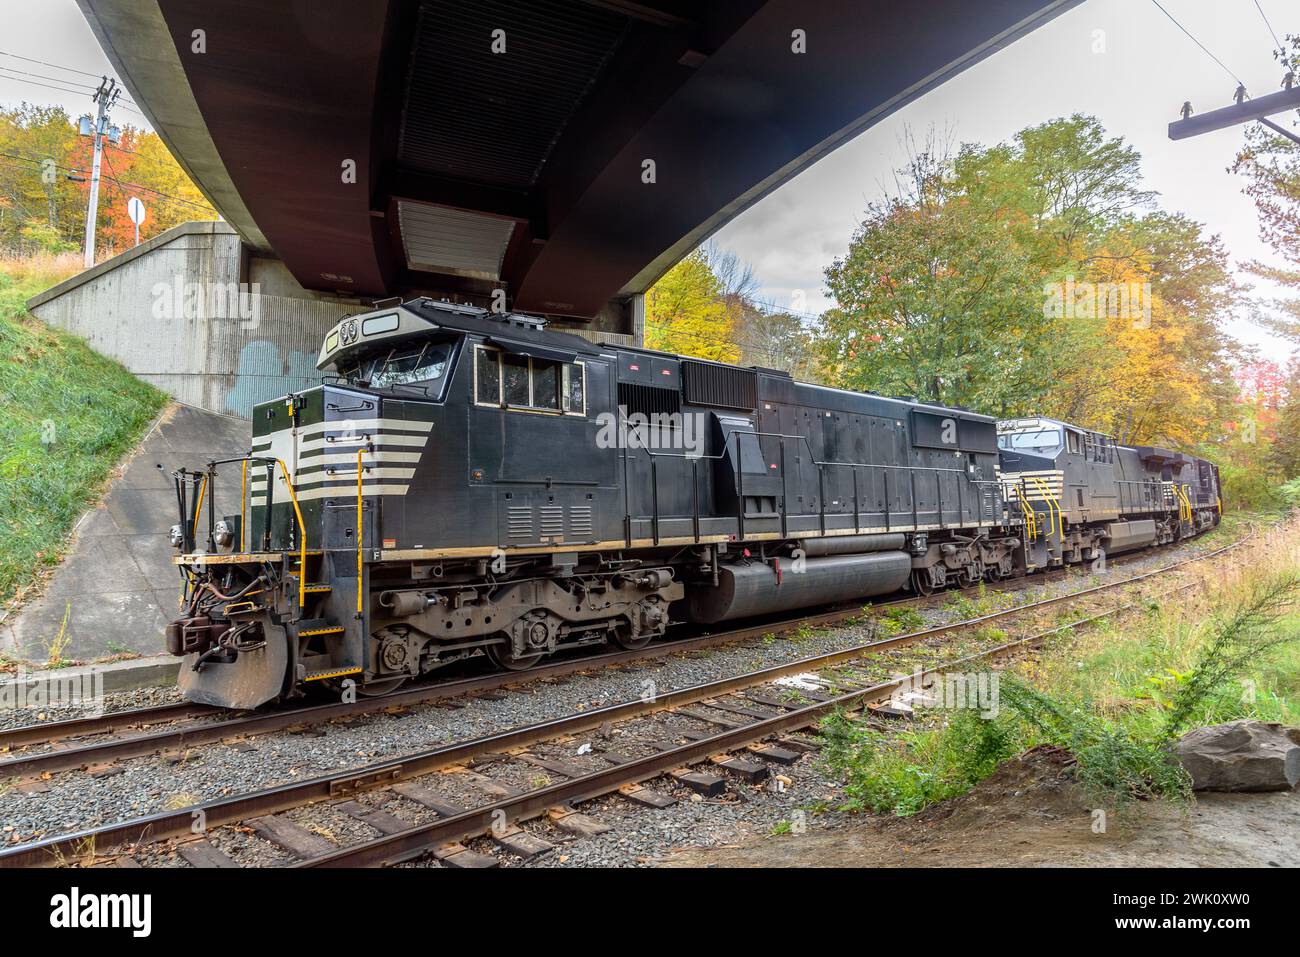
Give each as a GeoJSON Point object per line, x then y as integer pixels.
{"type": "Point", "coordinates": [1243, 111]}
{"type": "Point", "coordinates": [104, 98]}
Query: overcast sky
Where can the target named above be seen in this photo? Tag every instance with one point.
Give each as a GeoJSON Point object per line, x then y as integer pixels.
{"type": "Point", "coordinates": [1146, 69]}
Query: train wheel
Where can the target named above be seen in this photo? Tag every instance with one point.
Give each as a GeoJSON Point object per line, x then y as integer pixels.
{"type": "Point", "coordinates": [622, 636]}
{"type": "Point", "coordinates": [373, 689]}
{"type": "Point", "coordinates": [922, 582]}
{"type": "Point", "coordinates": [504, 658]}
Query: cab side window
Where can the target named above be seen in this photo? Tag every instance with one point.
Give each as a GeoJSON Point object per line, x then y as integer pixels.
{"type": "Point", "coordinates": [487, 375]}
{"type": "Point", "coordinates": [511, 381]}
{"type": "Point", "coordinates": [546, 385]}
{"type": "Point", "coordinates": [514, 380]}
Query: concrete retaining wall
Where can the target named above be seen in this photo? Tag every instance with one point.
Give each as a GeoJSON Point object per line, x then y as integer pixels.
{"type": "Point", "coordinates": [170, 311]}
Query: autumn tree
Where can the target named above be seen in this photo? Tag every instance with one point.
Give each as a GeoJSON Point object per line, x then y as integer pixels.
{"type": "Point", "coordinates": [990, 279]}
{"type": "Point", "coordinates": [45, 167]}
{"type": "Point", "coordinates": [686, 312]}
{"type": "Point", "coordinates": [936, 300]}
{"type": "Point", "coordinates": [1270, 164]}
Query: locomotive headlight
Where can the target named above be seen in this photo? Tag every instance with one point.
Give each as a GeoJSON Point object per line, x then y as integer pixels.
{"type": "Point", "coordinates": [176, 536]}
{"type": "Point", "coordinates": [222, 535]}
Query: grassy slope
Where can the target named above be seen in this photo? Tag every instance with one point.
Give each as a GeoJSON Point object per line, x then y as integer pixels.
{"type": "Point", "coordinates": [53, 384]}
{"type": "Point", "coordinates": [1121, 675]}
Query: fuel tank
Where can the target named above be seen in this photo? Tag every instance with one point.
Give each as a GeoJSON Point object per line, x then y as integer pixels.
{"type": "Point", "coordinates": [1126, 536]}
{"type": "Point", "coordinates": [852, 544]}
{"type": "Point", "coordinates": [754, 589]}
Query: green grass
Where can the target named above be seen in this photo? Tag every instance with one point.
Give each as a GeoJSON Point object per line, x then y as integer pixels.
{"type": "Point", "coordinates": [1115, 695]}
{"type": "Point", "coordinates": [903, 772]}
{"type": "Point", "coordinates": [900, 621]}
{"type": "Point", "coordinates": [67, 415]}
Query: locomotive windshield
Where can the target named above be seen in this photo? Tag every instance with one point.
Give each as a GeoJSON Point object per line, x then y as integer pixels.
{"type": "Point", "coordinates": [1045, 442]}
{"type": "Point", "coordinates": [425, 365]}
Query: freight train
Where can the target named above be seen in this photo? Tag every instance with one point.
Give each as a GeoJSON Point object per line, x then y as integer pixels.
{"type": "Point", "coordinates": [465, 484]}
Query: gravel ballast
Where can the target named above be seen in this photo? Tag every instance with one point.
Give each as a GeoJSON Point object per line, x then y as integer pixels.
{"type": "Point", "coordinates": [74, 800]}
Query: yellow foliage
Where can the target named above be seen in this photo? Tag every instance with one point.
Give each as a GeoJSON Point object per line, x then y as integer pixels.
{"type": "Point", "coordinates": [685, 312]}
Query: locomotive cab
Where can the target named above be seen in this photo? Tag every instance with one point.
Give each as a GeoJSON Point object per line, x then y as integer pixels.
{"type": "Point", "coordinates": [1063, 477]}
{"type": "Point", "coordinates": [1069, 468]}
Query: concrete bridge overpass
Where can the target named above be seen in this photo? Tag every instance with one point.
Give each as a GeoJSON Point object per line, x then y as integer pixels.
{"type": "Point", "coordinates": [503, 144]}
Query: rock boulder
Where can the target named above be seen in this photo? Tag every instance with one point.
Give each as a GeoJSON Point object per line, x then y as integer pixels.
{"type": "Point", "coordinates": [1241, 755]}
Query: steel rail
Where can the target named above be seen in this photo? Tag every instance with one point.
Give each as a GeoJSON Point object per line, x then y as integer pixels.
{"type": "Point", "coordinates": [106, 723]}
{"type": "Point", "coordinates": [47, 731]}
{"type": "Point", "coordinates": [224, 811]}
{"type": "Point", "coordinates": [416, 841]}
{"type": "Point", "coordinates": [267, 722]}
{"type": "Point", "coordinates": [117, 749]}
{"type": "Point", "coordinates": [283, 797]}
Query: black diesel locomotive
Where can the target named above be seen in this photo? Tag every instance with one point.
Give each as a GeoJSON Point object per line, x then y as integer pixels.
{"type": "Point", "coordinates": [472, 484]}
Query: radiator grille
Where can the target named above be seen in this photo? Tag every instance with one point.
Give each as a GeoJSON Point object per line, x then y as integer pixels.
{"type": "Point", "coordinates": [519, 521]}
{"type": "Point", "coordinates": [648, 400]}
{"type": "Point", "coordinates": [580, 521]}
{"type": "Point", "coordinates": [721, 386]}
{"type": "Point", "coordinates": [552, 521]}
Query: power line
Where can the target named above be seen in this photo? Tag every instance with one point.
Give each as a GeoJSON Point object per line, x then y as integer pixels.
{"type": "Point", "coordinates": [166, 197]}
{"type": "Point", "coordinates": [39, 76]}
{"type": "Point", "coordinates": [1198, 43]}
{"type": "Point", "coordinates": [778, 307]}
{"type": "Point", "coordinates": [113, 179]}
{"type": "Point", "coordinates": [123, 105]}
{"type": "Point", "coordinates": [54, 65]}
{"type": "Point", "coordinates": [48, 86]}
{"type": "Point", "coordinates": [1281, 49]}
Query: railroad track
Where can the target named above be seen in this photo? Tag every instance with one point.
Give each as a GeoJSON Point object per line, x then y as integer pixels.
{"type": "Point", "coordinates": [209, 725]}
{"type": "Point", "coordinates": [101, 752]}
{"type": "Point", "coordinates": [748, 709]}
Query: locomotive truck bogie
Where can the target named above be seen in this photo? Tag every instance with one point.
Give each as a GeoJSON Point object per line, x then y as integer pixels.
{"type": "Point", "coordinates": [425, 627]}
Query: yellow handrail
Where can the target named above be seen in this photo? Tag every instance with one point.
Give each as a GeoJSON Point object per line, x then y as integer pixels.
{"type": "Point", "coordinates": [360, 531]}
{"type": "Point", "coordinates": [1031, 523]}
{"type": "Point", "coordinates": [198, 509]}
{"type": "Point", "coordinates": [1051, 502]}
{"type": "Point", "coordinates": [302, 537]}
{"type": "Point", "coordinates": [243, 503]}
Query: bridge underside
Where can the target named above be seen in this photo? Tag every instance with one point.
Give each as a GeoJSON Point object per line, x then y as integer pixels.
{"type": "Point", "coordinates": [504, 143]}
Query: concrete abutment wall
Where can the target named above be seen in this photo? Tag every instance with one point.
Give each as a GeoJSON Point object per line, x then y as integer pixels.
{"type": "Point", "coordinates": [196, 314]}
